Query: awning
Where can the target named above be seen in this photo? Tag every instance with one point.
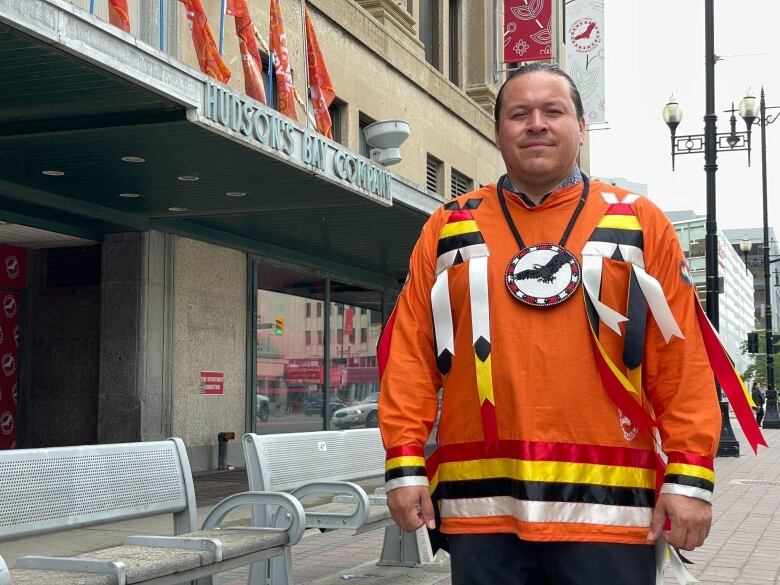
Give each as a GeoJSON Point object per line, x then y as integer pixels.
{"type": "Point", "coordinates": [78, 95]}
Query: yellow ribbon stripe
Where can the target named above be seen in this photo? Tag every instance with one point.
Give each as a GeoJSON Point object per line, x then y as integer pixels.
{"type": "Point", "coordinates": [635, 377]}
{"type": "Point", "coordinates": [548, 471]}
{"type": "Point", "coordinates": [459, 227]}
{"type": "Point", "coordinates": [692, 470]}
{"type": "Point", "coordinates": [484, 380]}
{"type": "Point", "coordinates": [408, 461]}
{"type": "Point", "coordinates": [618, 374]}
{"type": "Point", "coordinates": [620, 222]}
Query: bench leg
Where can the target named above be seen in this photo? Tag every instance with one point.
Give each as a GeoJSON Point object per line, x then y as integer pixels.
{"type": "Point", "coordinates": [258, 573]}
{"type": "Point", "coordinates": [5, 574]}
{"type": "Point", "coordinates": [281, 568]}
{"type": "Point", "coordinates": [401, 549]}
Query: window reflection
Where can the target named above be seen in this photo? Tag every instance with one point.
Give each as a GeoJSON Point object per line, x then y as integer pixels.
{"type": "Point", "coordinates": [292, 393]}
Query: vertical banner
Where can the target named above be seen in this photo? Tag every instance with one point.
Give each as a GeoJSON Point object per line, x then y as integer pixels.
{"type": "Point", "coordinates": [250, 56]}
{"type": "Point", "coordinates": [585, 55]}
{"type": "Point", "coordinates": [527, 30]}
{"type": "Point", "coordinates": [320, 86]}
{"type": "Point", "coordinates": [9, 367]}
{"type": "Point", "coordinates": [285, 90]}
{"type": "Point", "coordinates": [118, 14]}
{"type": "Point", "coordinates": [209, 59]}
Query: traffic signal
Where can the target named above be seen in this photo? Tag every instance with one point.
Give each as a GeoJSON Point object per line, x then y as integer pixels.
{"type": "Point", "coordinates": [752, 342]}
{"type": "Point", "coordinates": [279, 325]}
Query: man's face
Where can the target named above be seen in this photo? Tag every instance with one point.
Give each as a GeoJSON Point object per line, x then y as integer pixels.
{"type": "Point", "coordinates": [538, 132]}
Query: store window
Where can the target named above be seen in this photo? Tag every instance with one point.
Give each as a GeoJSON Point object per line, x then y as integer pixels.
{"type": "Point", "coordinates": [303, 386]}
{"type": "Point", "coordinates": [289, 384]}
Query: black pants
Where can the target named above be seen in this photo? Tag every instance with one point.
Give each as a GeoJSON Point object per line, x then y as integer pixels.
{"type": "Point", "coordinates": [759, 414]}
{"type": "Point", "coordinates": [504, 559]}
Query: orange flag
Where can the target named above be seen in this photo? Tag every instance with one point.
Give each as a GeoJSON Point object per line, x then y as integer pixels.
{"type": "Point", "coordinates": [210, 61]}
{"type": "Point", "coordinates": [118, 14]}
{"type": "Point", "coordinates": [284, 86]}
{"type": "Point", "coordinates": [250, 57]}
{"type": "Point", "coordinates": [320, 85]}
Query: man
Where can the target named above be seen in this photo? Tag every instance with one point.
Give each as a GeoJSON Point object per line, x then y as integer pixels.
{"type": "Point", "coordinates": [758, 398]}
{"type": "Point", "coordinates": [558, 316]}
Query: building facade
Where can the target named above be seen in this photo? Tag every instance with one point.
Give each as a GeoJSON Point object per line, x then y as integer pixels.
{"type": "Point", "coordinates": [187, 275]}
{"type": "Point", "coordinates": [736, 297]}
{"type": "Point", "coordinates": [755, 264]}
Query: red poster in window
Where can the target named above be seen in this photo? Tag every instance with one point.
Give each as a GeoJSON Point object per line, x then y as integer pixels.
{"type": "Point", "coordinates": [13, 267]}
{"type": "Point", "coordinates": [349, 321]}
{"type": "Point", "coordinates": [527, 30]}
{"type": "Point", "coordinates": [212, 383]}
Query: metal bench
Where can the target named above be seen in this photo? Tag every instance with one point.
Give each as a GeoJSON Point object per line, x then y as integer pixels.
{"type": "Point", "coordinates": [328, 462]}
{"type": "Point", "coordinates": [52, 490]}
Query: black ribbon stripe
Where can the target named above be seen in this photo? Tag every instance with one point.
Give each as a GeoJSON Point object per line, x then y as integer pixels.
{"type": "Point", "coordinates": [538, 491]}
{"type": "Point", "coordinates": [405, 471]}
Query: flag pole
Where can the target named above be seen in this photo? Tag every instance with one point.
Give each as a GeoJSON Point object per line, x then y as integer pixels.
{"type": "Point", "coordinates": [162, 25]}
{"type": "Point", "coordinates": [305, 59]}
{"type": "Point", "coordinates": [223, 9]}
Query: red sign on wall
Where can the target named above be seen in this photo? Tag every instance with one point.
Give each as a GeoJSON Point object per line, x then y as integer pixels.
{"type": "Point", "coordinates": [527, 30]}
{"type": "Point", "coordinates": [212, 383]}
{"type": "Point", "coordinates": [9, 367]}
{"type": "Point", "coordinates": [13, 267]}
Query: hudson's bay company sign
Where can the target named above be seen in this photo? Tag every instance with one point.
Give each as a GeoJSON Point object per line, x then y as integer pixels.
{"type": "Point", "coordinates": [252, 122]}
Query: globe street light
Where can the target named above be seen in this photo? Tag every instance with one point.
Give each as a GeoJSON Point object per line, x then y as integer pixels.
{"type": "Point", "coordinates": [745, 246]}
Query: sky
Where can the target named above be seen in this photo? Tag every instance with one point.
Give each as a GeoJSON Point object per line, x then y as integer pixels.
{"type": "Point", "coordinates": [655, 48]}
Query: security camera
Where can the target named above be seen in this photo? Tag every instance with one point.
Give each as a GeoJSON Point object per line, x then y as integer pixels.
{"type": "Point", "coordinates": [386, 137]}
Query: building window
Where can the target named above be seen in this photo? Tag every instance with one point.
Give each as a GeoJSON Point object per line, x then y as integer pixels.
{"type": "Point", "coordinates": [308, 338]}
{"type": "Point", "coordinates": [364, 121]}
{"type": "Point", "coordinates": [429, 31]}
{"type": "Point", "coordinates": [308, 309]}
{"type": "Point", "coordinates": [460, 184]}
{"type": "Point", "coordinates": [364, 335]}
{"type": "Point", "coordinates": [270, 87]}
{"type": "Point", "coordinates": [319, 309]}
{"type": "Point", "coordinates": [336, 111]}
{"type": "Point", "coordinates": [319, 337]}
{"type": "Point", "coordinates": [433, 174]}
{"type": "Point", "coordinates": [454, 44]}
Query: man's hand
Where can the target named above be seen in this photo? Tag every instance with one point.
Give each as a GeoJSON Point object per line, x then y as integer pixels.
{"type": "Point", "coordinates": [691, 519]}
{"type": "Point", "coordinates": [411, 507]}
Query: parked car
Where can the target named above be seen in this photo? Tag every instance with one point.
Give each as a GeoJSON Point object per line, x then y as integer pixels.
{"type": "Point", "coordinates": [364, 413]}
{"type": "Point", "coordinates": [263, 407]}
{"type": "Point", "coordinates": [314, 404]}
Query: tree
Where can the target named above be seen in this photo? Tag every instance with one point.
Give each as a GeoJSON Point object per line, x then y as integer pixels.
{"type": "Point", "coordinates": [757, 368]}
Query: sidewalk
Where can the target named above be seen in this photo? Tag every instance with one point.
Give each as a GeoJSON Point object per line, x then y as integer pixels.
{"type": "Point", "coordinates": [740, 548]}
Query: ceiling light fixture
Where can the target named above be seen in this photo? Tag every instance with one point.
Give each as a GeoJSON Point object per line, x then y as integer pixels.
{"type": "Point", "coordinates": [52, 173]}
{"type": "Point", "coordinates": [188, 178]}
{"type": "Point", "coordinates": [177, 209]}
{"type": "Point", "coordinates": [130, 195]}
{"type": "Point", "coordinates": [236, 194]}
{"type": "Point", "coordinates": [133, 159]}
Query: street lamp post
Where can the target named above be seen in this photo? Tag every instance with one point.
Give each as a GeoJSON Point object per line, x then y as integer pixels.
{"type": "Point", "coordinates": [771, 420]}
{"type": "Point", "coordinates": [710, 143]}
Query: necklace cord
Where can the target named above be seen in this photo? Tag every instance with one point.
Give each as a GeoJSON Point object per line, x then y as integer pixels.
{"type": "Point", "coordinates": [569, 227]}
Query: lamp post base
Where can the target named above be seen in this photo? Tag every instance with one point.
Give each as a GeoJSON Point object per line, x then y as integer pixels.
{"type": "Point", "coordinates": [728, 445]}
{"type": "Point", "coordinates": [771, 418]}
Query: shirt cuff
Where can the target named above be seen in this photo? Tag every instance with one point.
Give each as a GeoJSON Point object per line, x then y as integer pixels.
{"type": "Point", "coordinates": [689, 475]}
{"type": "Point", "coordinates": [405, 466]}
